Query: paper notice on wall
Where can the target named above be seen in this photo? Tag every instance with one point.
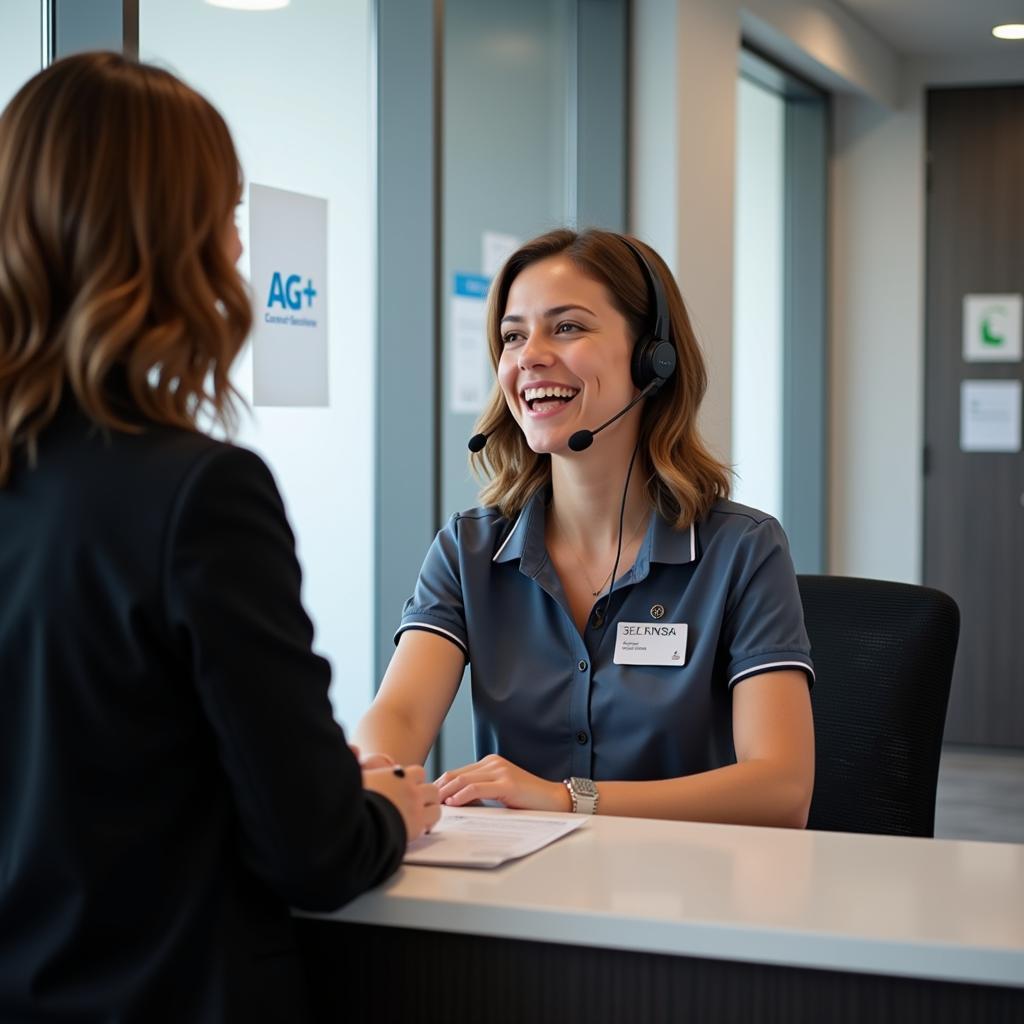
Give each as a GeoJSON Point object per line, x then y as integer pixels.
{"type": "Point", "coordinates": [495, 248]}
{"type": "Point", "coordinates": [992, 329]}
{"type": "Point", "coordinates": [288, 263]}
{"type": "Point", "coordinates": [990, 415]}
{"type": "Point", "coordinates": [469, 380]}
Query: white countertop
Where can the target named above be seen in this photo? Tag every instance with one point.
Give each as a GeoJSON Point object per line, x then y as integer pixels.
{"type": "Point", "coordinates": [924, 908]}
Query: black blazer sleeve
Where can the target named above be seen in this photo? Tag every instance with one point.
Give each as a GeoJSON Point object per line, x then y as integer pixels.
{"type": "Point", "coordinates": [232, 592]}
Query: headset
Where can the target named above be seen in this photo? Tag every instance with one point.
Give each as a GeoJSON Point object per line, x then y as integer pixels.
{"type": "Point", "coordinates": [654, 355]}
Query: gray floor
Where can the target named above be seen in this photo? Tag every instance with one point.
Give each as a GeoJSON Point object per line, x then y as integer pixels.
{"type": "Point", "coordinates": [980, 795]}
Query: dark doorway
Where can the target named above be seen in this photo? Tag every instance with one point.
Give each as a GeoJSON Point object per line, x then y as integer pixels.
{"type": "Point", "coordinates": [974, 500]}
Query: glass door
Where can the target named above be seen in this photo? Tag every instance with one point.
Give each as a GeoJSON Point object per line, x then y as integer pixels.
{"type": "Point", "coordinates": [780, 340]}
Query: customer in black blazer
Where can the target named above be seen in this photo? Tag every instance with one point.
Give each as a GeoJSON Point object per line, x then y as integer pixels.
{"type": "Point", "coordinates": [171, 779]}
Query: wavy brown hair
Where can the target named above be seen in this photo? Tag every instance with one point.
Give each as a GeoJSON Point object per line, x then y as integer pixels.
{"type": "Point", "coordinates": [682, 477]}
{"type": "Point", "coordinates": [117, 187]}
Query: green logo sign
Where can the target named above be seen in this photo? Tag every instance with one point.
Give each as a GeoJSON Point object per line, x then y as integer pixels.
{"type": "Point", "coordinates": [988, 335]}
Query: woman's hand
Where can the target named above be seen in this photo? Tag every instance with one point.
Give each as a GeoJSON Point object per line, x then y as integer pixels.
{"type": "Point", "coordinates": [407, 788]}
{"type": "Point", "coordinates": [495, 778]}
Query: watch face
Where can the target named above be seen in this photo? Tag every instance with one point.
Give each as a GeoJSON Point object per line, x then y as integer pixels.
{"type": "Point", "coordinates": [584, 787]}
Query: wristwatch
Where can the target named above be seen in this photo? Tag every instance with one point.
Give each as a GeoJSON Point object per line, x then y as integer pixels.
{"type": "Point", "coordinates": [584, 795]}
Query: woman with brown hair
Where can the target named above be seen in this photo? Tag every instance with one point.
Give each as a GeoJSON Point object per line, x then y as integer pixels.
{"type": "Point", "coordinates": [635, 640]}
{"type": "Point", "coordinates": [172, 776]}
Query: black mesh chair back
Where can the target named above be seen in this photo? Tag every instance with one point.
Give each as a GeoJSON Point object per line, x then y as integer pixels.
{"type": "Point", "coordinates": [883, 659]}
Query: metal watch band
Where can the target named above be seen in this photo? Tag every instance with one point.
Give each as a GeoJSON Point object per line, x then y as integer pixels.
{"type": "Point", "coordinates": [583, 793]}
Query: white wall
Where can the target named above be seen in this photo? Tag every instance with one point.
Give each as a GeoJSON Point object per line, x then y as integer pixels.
{"type": "Point", "coordinates": [683, 149]}
{"type": "Point", "coordinates": [877, 375]}
{"type": "Point", "coordinates": [876, 244]}
{"type": "Point", "coordinates": [827, 45]}
{"type": "Point", "coordinates": [296, 89]}
{"type": "Point", "coordinates": [21, 37]}
{"type": "Point", "coordinates": [683, 129]}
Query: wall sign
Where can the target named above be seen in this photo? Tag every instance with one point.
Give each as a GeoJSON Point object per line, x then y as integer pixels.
{"type": "Point", "coordinates": [495, 248]}
{"type": "Point", "coordinates": [990, 415]}
{"type": "Point", "coordinates": [288, 265]}
{"type": "Point", "coordinates": [469, 366]}
{"type": "Point", "coordinates": [992, 328]}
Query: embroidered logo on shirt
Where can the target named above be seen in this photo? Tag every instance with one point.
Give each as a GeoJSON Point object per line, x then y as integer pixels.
{"type": "Point", "coordinates": [657, 611]}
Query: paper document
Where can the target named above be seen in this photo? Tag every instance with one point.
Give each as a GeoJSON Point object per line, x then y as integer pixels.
{"type": "Point", "coordinates": [461, 840]}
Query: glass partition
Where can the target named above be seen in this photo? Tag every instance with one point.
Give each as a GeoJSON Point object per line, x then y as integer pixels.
{"type": "Point", "coordinates": [295, 86]}
{"type": "Point", "coordinates": [21, 45]}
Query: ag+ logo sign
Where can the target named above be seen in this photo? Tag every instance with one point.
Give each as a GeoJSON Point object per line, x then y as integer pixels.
{"type": "Point", "coordinates": [288, 292]}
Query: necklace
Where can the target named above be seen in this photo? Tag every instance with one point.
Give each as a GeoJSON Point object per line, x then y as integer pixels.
{"type": "Point", "coordinates": [582, 565]}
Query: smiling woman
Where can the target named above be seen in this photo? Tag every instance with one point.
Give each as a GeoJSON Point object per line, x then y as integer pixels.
{"type": "Point", "coordinates": [575, 273]}
{"type": "Point", "coordinates": [696, 704]}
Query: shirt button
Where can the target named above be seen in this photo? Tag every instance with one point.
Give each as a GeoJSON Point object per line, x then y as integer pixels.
{"type": "Point", "coordinates": [581, 738]}
{"type": "Point", "coordinates": [583, 666]}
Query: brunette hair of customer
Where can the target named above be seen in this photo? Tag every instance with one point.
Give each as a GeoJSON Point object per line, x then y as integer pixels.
{"type": "Point", "coordinates": [114, 271]}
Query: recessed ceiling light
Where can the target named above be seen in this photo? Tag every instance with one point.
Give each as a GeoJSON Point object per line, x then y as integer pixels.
{"type": "Point", "coordinates": [1008, 31]}
{"type": "Point", "coordinates": [250, 5]}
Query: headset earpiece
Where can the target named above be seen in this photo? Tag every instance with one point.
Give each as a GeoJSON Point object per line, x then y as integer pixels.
{"type": "Point", "coordinates": [654, 359]}
{"type": "Point", "coordinates": [654, 355]}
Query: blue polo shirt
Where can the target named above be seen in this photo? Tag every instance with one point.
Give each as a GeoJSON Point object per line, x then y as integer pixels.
{"type": "Point", "coordinates": [555, 702]}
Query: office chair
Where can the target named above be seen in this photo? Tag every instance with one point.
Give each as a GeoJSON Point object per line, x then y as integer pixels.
{"type": "Point", "coordinates": [883, 657]}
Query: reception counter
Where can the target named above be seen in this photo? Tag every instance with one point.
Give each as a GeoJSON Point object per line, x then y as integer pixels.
{"type": "Point", "coordinates": [629, 919]}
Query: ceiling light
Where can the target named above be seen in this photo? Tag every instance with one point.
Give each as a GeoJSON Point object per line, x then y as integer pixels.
{"type": "Point", "coordinates": [1008, 31]}
{"type": "Point", "coordinates": [250, 5]}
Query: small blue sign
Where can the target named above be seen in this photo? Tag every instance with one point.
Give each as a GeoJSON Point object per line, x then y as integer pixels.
{"type": "Point", "coordinates": [472, 286]}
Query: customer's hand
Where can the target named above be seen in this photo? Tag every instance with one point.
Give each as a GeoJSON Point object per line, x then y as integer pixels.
{"type": "Point", "coordinates": [416, 799]}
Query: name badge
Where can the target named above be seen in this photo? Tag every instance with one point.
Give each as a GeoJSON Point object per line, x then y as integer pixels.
{"type": "Point", "coordinates": [650, 643]}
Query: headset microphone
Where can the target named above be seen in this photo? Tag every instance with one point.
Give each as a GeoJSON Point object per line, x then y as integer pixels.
{"type": "Point", "coordinates": [477, 442]}
{"type": "Point", "coordinates": [583, 439]}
